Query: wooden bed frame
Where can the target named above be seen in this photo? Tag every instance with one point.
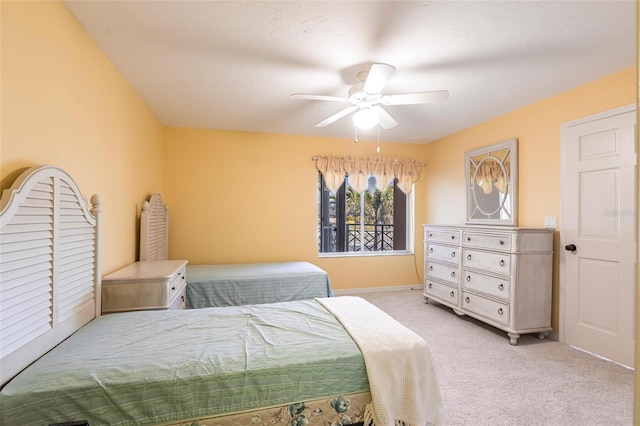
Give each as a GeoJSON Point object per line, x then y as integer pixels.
{"type": "Point", "coordinates": [154, 229]}
{"type": "Point", "coordinates": [41, 214]}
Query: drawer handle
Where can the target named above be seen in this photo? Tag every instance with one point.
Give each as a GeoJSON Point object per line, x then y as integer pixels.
{"type": "Point", "coordinates": [453, 237]}
{"type": "Point", "coordinates": [501, 287]}
{"type": "Point", "coordinates": [453, 254]}
{"type": "Point", "coordinates": [431, 250]}
{"type": "Point", "coordinates": [429, 285]}
{"type": "Point", "coordinates": [501, 262]}
{"type": "Point", "coordinates": [430, 235]}
{"type": "Point", "coordinates": [466, 299]}
{"type": "Point", "coordinates": [468, 277]}
{"type": "Point", "coordinates": [183, 277]}
{"type": "Point", "coordinates": [453, 274]}
{"type": "Point", "coordinates": [468, 257]}
{"type": "Point", "coordinates": [501, 242]}
{"type": "Point", "coordinates": [500, 311]}
{"type": "Point", "coordinates": [468, 238]}
{"type": "Point", "coordinates": [431, 267]}
{"type": "Point", "coordinates": [452, 294]}
{"type": "Point", "coordinates": [173, 288]}
{"type": "Point", "coordinates": [182, 297]}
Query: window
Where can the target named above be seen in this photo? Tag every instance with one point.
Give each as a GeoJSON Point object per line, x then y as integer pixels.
{"type": "Point", "coordinates": [370, 222]}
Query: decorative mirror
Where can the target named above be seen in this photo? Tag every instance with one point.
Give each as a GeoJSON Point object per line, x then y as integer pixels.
{"type": "Point", "coordinates": [492, 184]}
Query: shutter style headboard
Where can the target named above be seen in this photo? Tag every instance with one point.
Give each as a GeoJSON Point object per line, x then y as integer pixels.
{"type": "Point", "coordinates": [154, 229]}
{"type": "Point", "coordinates": [50, 272]}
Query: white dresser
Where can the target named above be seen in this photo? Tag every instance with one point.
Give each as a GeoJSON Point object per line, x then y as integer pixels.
{"type": "Point", "coordinates": [499, 275]}
{"type": "Point", "coordinates": [158, 284]}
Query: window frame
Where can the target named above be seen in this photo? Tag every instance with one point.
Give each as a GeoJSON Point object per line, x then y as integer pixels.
{"type": "Point", "coordinates": [409, 234]}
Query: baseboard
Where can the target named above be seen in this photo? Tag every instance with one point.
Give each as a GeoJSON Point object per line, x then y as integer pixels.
{"type": "Point", "coordinates": [345, 292]}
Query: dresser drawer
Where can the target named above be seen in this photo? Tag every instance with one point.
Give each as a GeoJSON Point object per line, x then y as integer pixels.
{"type": "Point", "coordinates": [492, 242]}
{"type": "Point", "coordinates": [443, 236]}
{"type": "Point", "coordinates": [443, 272]}
{"type": "Point", "coordinates": [442, 292]}
{"type": "Point", "coordinates": [487, 308]}
{"type": "Point", "coordinates": [180, 301]}
{"type": "Point", "coordinates": [443, 253]}
{"type": "Point", "coordinates": [499, 287]}
{"type": "Point", "coordinates": [176, 283]}
{"type": "Point", "coordinates": [487, 261]}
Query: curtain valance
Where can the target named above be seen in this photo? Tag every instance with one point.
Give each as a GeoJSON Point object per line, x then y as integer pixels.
{"type": "Point", "coordinates": [334, 169]}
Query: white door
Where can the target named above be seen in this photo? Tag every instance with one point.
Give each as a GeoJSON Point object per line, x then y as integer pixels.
{"type": "Point", "coordinates": [598, 235]}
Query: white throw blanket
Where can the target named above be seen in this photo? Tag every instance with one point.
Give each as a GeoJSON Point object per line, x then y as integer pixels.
{"type": "Point", "coordinates": [402, 378]}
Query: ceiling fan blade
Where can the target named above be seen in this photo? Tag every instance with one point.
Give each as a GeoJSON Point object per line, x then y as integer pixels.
{"type": "Point", "coordinates": [337, 116]}
{"type": "Point", "coordinates": [320, 97]}
{"type": "Point", "coordinates": [385, 120]}
{"type": "Point", "coordinates": [416, 98]}
{"type": "Point", "coordinates": [377, 78]}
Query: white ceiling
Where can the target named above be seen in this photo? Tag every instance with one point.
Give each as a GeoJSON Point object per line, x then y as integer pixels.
{"type": "Point", "coordinates": [233, 64]}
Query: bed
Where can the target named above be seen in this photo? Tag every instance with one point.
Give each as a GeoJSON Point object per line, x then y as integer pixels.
{"type": "Point", "coordinates": [337, 360]}
{"type": "Point", "coordinates": [231, 284]}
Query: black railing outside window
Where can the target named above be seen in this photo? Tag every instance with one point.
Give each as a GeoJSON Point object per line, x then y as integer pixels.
{"type": "Point", "coordinates": [376, 237]}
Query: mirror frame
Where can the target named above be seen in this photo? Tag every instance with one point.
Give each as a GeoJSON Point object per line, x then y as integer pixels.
{"type": "Point", "coordinates": [512, 184]}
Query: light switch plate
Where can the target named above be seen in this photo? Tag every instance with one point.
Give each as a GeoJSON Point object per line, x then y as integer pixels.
{"type": "Point", "coordinates": [550, 222]}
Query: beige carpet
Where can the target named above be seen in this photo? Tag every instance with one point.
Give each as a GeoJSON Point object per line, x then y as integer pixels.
{"type": "Point", "coordinates": [486, 381]}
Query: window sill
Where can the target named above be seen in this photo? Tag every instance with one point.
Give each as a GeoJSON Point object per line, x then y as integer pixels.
{"type": "Point", "coordinates": [365, 254]}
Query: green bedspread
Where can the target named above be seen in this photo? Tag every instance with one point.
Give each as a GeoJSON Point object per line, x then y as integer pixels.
{"type": "Point", "coordinates": [151, 367]}
{"type": "Point", "coordinates": [252, 283]}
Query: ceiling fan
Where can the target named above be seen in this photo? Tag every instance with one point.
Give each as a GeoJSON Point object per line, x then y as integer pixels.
{"type": "Point", "coordinates": [367, 99]}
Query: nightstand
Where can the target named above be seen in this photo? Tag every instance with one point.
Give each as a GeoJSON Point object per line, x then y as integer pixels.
{"type": "Point", "coordinates": [145, 285]}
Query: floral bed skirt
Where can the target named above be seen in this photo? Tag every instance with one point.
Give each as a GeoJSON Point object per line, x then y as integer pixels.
{"type": "Point", "coordinates": [342, 410]}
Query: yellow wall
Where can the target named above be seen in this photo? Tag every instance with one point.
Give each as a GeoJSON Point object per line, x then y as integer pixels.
{"type": "Point", "coordinates": [252, 197]}
{"type": "Point", "coordinates": [537, 128]}
{"type": "Point", "coordinates": [63, 103]}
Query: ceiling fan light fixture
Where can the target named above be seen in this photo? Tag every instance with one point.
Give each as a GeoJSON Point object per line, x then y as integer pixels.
{"type": "Point", "coordinates": [365, 118]}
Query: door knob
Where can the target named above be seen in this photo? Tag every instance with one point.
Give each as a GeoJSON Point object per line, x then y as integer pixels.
{"type": "Point", "coordinates": [570, 247]}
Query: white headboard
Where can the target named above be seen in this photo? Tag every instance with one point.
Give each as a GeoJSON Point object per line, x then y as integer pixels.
{"type": "Point", "coordinates": [154, 229]}
{"type": "Point", "coordinates": [50, 273]}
